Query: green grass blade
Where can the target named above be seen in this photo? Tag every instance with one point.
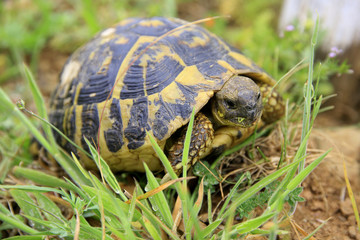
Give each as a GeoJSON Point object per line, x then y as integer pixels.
{"type": "Point", "coordinates": [87, 232]}
{"type": "Point", "coordinates": [5, 166]}
{"type": "Point", "coordinates": [316, 109]}
{"type": "Point", "coordinates": [50, 210]}
{"type": "Point", "coordinates": [31, 188]}
{"type": "Point", "coordinates": [81, 169]}
{"type": "Point", "coordinates": [309, 91]}
{"type": "Point", "coordinates": [3, 209]}
{"type": "Point", "coordinates": [71, 168]}
{"type": "Point", "coordinates": [132, 206]}
{"type": "Point", "coordinates": [41, 222]}
{"type": "Point", "coordinates": [152, 230]}
{"type": "Point", "coordinates": [187, 211]}
{"type": "Point", "coordinates": [293, 182]}
{"type": "Point", "coordinates": [42, 178]}
{"type": "Point", "coordinates": [25, 237]}
{"type": "Point", "coordinates": [187, 141]}
{"type": "Point", "coordinates": [17, 223]}
{"type": "Point", "coordinates": [291, 173]}
{"type": "Point", "coordinates": [305, 172]}
{"type": "Point", "coordinates": [231, 195]}
{"type": "Point", "coordinates": [211, 228]}
{"type": "Point", "coordinates": [268, 232]}
{"type": "Point", "coordinates": [280, 188]}
{"type": "Point", "coordinates": [300, 65]}
{"type": "Point", "coordinates": [27, 205]}
{"type": "Point", "coordinates": [252, 224]}
{"type": "Point", "coordinates": [160, 153]}
{"type": "Point", "coordinates": [106, 171]}
{"type": "Point", "coordinates": [317, 229]}
{"type": "Point", "coordinates": [156, 221]}
{"type": "Point", "coordinates": [116, 232]}
{"type": "Point", "coordinates": [114, 209]}
{"type": "Point", "coordinates": [111, 204]}
{"type": "Point", "coordinates": [158, 200]}
{"type": "Point", "coordinates": [39, 102]}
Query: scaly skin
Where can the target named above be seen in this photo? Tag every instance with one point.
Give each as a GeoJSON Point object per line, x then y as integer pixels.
{"type": "Point", "coordinates": [201, 140]}
{"type": "Point", "coordinates": [274, 106]}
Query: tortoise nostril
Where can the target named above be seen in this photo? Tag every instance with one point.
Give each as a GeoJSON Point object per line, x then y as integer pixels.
{"type": "Point", "coordinates": [251, 106]}
{"type": "Point", "coordinates": [252, 115]}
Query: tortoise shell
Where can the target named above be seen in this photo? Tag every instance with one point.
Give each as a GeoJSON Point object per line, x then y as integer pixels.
{"type": "Point", "coordinates": [139, 76]}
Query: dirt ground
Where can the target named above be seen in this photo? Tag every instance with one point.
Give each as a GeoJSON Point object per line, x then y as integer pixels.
{"type": "Point", "coordinates": [325, 188]}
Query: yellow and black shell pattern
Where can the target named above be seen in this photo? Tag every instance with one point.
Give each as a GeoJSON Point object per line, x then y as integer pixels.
{"type": "Point", "coordinates": [159, 70]}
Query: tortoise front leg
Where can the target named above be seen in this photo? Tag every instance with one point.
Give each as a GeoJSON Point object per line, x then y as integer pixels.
{"type": "Point", "coordinates": [226, 137]}
{"type": "Point", "coordinates": [200, 144]}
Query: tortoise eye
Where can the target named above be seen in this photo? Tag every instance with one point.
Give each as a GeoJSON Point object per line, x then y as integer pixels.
{"type": "Point", "coordinates": [230, 104]}
{"type": "Point", "coordinates": [258, 97]}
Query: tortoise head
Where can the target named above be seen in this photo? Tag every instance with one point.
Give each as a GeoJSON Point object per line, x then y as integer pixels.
{"type": "Point", "coordinates": [238, 103]}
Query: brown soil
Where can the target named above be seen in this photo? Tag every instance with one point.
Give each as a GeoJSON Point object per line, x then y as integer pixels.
{"type": "Point", "coordinates": [325, 189]}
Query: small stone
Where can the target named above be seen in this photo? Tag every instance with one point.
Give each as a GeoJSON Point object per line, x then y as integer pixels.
{"type": "Point", "coordinates": [351, 219]}
{"type": "Point", "coordinates": [317, 205]}
{"type": "Point", "coordinates": [352, 231]}
{"type": "Point", "coordinates": [331, 190]}
{"type": "Point", "coordinates": [306, 194]}
{"type": "Point", "coordinates": [346, 207]}
{"type": "Point", "coordinates": [315, 188]}
{"type": "Point", "coordinates": [334, 206]}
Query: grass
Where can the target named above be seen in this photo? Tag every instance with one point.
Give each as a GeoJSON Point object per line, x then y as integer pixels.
{"type": "Point", "coordinates": [151, 211]}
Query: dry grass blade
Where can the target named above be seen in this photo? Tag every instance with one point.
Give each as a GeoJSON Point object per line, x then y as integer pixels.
{"type": "Point", "coordinates": [200, 198]}
{"type": "Point", "coordinates": [77, 226]}
{"type": "Point", "coordinates": [298, 229]}
{"type": "Point", "coordinates": [159, 189]}
{"type": "Point", "coordinates": [351, 195]}
{"type": "Point", "coordinates": [177, 213]}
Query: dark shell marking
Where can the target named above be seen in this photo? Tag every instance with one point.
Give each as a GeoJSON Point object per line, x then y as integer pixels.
{"type": "Point", "coordinates": [154, 92]}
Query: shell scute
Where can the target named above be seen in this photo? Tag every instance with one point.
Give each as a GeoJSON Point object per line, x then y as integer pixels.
{"type": "Point", "coordinates": [90, 125]}
{"type": "Point", "coordinates": [135, 132]}
{"type": "Point", "coordinates": [114, 135]}
{"type": "Point", "coordinates": [147, 78]}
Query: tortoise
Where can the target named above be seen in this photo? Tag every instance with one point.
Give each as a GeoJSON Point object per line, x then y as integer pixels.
{"type": "Point", "coordinates": [145, 76]}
